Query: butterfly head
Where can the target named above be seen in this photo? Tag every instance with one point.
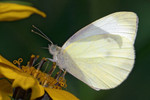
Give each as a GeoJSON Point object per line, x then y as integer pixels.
{"type": "Point", "coordinates": [54, 49]}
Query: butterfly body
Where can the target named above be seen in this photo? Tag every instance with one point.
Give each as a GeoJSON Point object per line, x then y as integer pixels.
{"type": "Point", "coordinates": [102, 53]}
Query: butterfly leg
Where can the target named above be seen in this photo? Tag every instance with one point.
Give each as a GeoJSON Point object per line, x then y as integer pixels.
{"type": "Point", "coordinates": [52, 60]}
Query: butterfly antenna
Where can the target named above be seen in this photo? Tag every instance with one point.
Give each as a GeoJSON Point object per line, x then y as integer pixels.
{"type": "Point", "coordinates": [41, 34]}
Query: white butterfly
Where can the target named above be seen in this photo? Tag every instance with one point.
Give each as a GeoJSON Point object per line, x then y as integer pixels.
{"type": "Point", "coordinates": [102, 53]}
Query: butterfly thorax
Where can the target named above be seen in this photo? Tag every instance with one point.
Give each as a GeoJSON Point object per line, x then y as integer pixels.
{"type": "Point", "coordinates": [54, 50]}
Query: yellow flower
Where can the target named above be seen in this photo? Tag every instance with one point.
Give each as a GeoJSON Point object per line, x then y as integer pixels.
{"type": "Point", "coordinates": [12, 11]}
{"type": "Point", "coordinates": [32, 80]}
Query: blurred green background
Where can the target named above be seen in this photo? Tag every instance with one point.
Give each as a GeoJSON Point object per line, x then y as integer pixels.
{"type": "Point", "coordinates": [64, 18]}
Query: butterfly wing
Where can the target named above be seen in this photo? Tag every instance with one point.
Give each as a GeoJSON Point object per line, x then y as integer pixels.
{"type": "Point", "coordinates": [102, 53]}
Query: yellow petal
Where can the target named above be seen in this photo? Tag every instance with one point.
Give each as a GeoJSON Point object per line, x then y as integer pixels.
{"type": "Point", "coordinates": [21, 79]}
{"type": "Point", "coordinates": [57, 94]}
{"type": "Point", "coordinates": [5, 89]}
{"type": "Point", "coordinates": [8, 71]}
{"type": "Point", "coordinates": [37, 91]}
{"type": "Point", "coordinates": [6, 62]}
{"type": "Point", "coordinates": [26, 82]}
{"type": "Point", "coordinates": [12, 11]}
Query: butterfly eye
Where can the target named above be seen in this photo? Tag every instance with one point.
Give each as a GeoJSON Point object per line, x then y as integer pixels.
{"type": "Point", "coordinates": [54, 49]}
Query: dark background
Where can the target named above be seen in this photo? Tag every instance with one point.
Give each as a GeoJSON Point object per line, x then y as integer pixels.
{"type": "Point", "coordinates": [64, 18]}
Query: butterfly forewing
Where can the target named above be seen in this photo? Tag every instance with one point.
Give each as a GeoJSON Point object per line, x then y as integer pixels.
{"type": "Point", "coordinates": [102, 53]}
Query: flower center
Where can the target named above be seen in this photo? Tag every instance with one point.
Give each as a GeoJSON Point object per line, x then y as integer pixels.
{"type": "Point", "coordinates": [45, 79]}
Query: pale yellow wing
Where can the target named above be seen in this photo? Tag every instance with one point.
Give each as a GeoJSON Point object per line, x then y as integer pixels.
{"type": "Point", "coordinates": [102, 54]}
